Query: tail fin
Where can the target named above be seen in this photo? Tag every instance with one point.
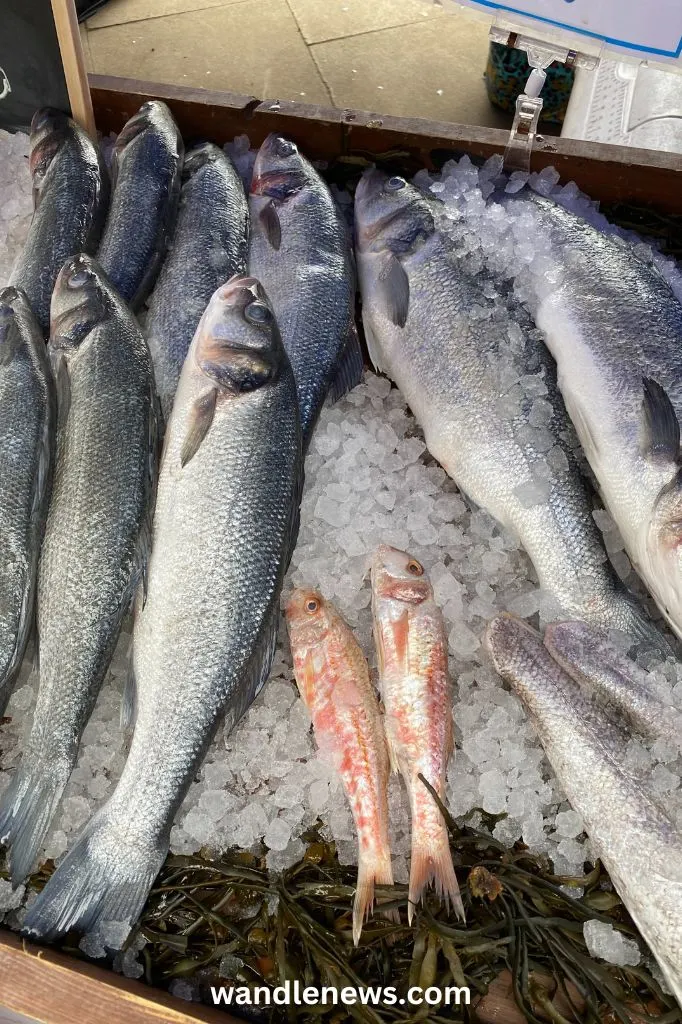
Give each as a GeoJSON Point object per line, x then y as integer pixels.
{"type": "Point", "coordinates": [105, 877]}
{"type": "Point", "coordinates": [632, 618]}
{"type": "Point", "coordinates": [26, 812]}
{"type": "Point", "coordinates": [432, 862]}
{"type": "Point", "coordinates": [371, 871]}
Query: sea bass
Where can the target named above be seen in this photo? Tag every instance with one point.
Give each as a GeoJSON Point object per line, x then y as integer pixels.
{"type": "Point", "coordinates": [70, 197]}
{"type": "Point", "coordinates": [417, 693]}
{"type": "Point", "coordinates": [210, 245]}
{"type": "Point", "coordinates": [333, 680]}
{"type": "Point", "coordinates": [96, 536]}
{"type": "Point", "coordinates": [300, 249]}
{"type": "Point", "coordinates": [481, 385]}
{"type": "Point", "coordinates": [27, 422]}
{"type": "Point", "coordinates": [614, 326]}
{"type": "Point", "coordinates": [635, 839]}
{"type": "Point", "coordinates": [146, 170]}
{"type": "Point", "coordinates": [225, 519]}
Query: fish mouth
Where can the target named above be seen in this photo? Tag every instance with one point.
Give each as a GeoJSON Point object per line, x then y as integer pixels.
{"type": "Point", "coordinates": [241, 290]}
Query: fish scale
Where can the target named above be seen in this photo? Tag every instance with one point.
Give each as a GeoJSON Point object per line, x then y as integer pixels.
{"type": "Point", "coordinates": [96, 536]}
{"type": "Point", "coordinates": [430, 326]}
{"type": "Point", "coordinates": [224, 525]}
{"type": "Point", "coordinates": [27, 422]}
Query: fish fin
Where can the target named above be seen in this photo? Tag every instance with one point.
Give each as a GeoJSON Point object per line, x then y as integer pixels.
{"type": "Point", "coordinates": [373, 348]}
{"type": "Point", "coordinates": [392, 747]}
{"type": "Point", "coordinates": [201, 418]}
{"type": "Point", "coordinates": [269, 219]}
{"type": "Point", "coordinates": [394, 286]}
{"type": "Point", "coordinates": [258, 669]}
{"type": "Point", "coordinates": [11, 342]}
{"type": "Point", "coordinates": [660, 426]}
{"type": "Point", "coordinates": [349, 369]}
{"type": "Point", "coordinates": [371, 871]}
{"type": "Point", "coordinates": [26, 812]}
{"type": "Point", "coordinates": [97, 881]}
{"type": "Point", "coordinates": [129, 700]}
{"type": "Point", "coordinates": [63, 388]}
{"type": "Point", "coordinates": [431, 861]}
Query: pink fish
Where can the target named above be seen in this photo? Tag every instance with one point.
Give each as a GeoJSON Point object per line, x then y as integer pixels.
{"type": "Point", "coordinates": [417, 694]}
{"type": "Point", "coordinates": [333, 680]}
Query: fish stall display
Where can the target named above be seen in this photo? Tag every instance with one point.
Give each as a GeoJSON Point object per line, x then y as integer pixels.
{"type": "Point", "coordinates": [317, 544]}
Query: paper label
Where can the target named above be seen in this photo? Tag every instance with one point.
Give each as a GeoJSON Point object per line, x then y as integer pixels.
{"type": "Point", "coordinates": [650, 28]}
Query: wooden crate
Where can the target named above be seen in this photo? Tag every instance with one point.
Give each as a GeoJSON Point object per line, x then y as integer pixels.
{"type": "Point", "coordinates": [56, 989]}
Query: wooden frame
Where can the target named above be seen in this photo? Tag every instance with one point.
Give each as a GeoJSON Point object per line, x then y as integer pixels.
{"type": "Point", "coordinates": [54, 988]}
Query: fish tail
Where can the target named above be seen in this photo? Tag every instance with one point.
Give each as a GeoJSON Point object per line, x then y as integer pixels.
{"type": "Point", "coordinates": [26, 812]}
{"type": "Point", "coordinates": [103, 878]}
{"type": "Point", "coordinates": [632, 618]}
{"type": "Point", "coordinates": [372, 870]}
{"type": "Point", "coordinates": [432, 862]}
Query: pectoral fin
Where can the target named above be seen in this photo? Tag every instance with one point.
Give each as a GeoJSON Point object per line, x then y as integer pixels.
{"type": "Point", "coordinates": [349, 369]}
{"type": "Point", "coordinates": [200, 420]}
{"type": "Point", "coordinates": [660, 426]}
{"type": "Point", "coordinates": [269, 218]}
{"type": "Point", "coordinates": [394, 286]}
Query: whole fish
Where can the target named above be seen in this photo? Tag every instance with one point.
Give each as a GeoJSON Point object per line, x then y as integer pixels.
{"type": "Point", "coordinates": [300, 249]}
{"type": "Point", "coordinates": [27, 415]}
{"type": "Point", "coordinates": [228, 495]}
{"type": "Point", "coordinates": [617, 682]}
{"type": "Point", "coordinates": [146, 169]}
{"type": "Point", "coordinates": [70, 197]}
{"type": "Point", "coordinates": [96, 536]}
{"type": "Point", "coordinates": [333, 680]}
{"type": "Point", "coordinates": [614, 326]}
{"type": "Point", "coordinates": [638, 844]}
{"type": "Point", "coordinates": [210, 245]}
{"type": "Point", "coordinates": [472, 370]}
{"type": "Point", "coordinates": [417, 694]}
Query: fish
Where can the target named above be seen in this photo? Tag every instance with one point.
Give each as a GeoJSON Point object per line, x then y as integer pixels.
{"type": "Point", "coordinates": [471, 370]}
{"type": "Point", "coordinates": [146, 171]}
{"type": "Point", "coordinates": [96, 539]}
{"type": "Point", "coordinates": [203, 641]}
{"type": "Point", "coordinates": [70, 199]}
{"type": "Point", "coordinates": [614, 326]}
{"type": "Point", "coordinates": [300, 249]}
{"type": "Point", "coordinates": [210, 245]}
{"type": "Point", "coordinates": [633, 837]}
{"type": "Point", "coordinates": [27, 425]}
{"type": "Point", "coordinates": [616, 681]}
{"type": "Point", "coordinates": [416, 689]}
{"type": "Point", "coordinates": [333, 680]}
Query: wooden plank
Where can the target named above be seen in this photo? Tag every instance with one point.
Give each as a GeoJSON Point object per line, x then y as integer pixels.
{"type": "Point", "coordinates": [52, 988]}
{"type": "Point", "coordinates": [68, 34]}
{"type": "Point", "coordinates": [607, 173]}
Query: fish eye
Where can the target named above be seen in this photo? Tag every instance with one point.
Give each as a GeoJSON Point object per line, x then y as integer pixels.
{"type": "Point", "coordinates": [258, 313]}
{"type": "Point", "coordinates": [395, 184]}
{"type": "Point", "coordinates": [78, 279]}
{"type": "Point", "coordinates": [311, 605]}
{"type": "Point", "coordinates": [285, 147]}
{"type": "Point", "coordinates": [415, 568]}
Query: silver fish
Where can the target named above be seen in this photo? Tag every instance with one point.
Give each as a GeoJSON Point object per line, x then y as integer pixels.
{"type": "Point", "coordinates": [70, 197]}
{"type": "Point", "coordinates": [459, 359]}
{"type": "Point", "coordinates": [27, 415]}
{"type": "Point", "coordinates": [146, 172]}
{"type": "Point", "coordinates": [300, 249]}
{"type": "Point", "coordinates": [635, 839]}
{"type": "Point", "coordinates": [96, 536]}
{"type": "Point", "coordinates": [210, 245]}
{"type": "Point", "coordinates": [614, 326]}
{"type": "Point", "coordinates": [226, 513]}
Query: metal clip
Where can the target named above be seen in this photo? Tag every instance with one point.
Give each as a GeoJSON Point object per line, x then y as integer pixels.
{"type": "Point", "coordinates": [524, 127]}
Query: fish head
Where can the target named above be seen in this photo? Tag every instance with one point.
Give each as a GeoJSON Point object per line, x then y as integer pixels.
{"type": "Point", "coordinates": [199, 156]}
{"type": "Point", "coordinates": [663, 552]}
{"type": "Point", "coordinates": [150, 113]}
{"type": "Point", "coordinates": [397, 576]}
{"type": "Point", "coordinates": [390, 213]}
{"type": "Point", "coordinates": [80, 300]}
{"type": "Point", "coordinates": [49, 129]}
{"type": "Point", "coordinates": [309, 618]}
{"type": "Point", "coordinates": [280, 172]}
{"type": "Point", "coordinates": [238, 345]}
